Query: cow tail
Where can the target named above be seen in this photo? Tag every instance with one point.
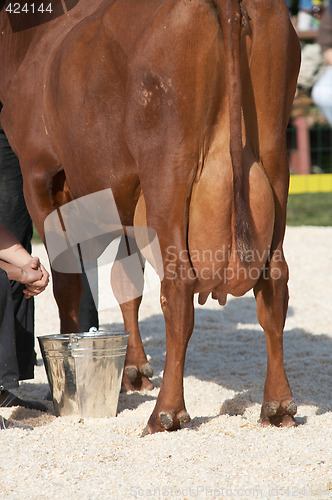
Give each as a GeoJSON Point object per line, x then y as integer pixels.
{"type": "Point", "coordinates": [230, 20]}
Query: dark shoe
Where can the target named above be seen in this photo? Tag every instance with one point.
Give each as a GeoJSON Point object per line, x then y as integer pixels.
{"type": "Point", "coordinates": [8, 399]}
{"type": "Point", "coordinates": [4, 424]}
{"type": "Point", "coordinates": [8, 424]}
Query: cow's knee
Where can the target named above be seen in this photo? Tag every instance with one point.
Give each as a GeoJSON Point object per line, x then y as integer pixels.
{"type": "Point", "coordinates": [176, 292]}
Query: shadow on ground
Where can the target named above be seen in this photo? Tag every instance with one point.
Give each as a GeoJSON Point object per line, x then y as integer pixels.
{"type": "Point", "coordinates": [228, 348]}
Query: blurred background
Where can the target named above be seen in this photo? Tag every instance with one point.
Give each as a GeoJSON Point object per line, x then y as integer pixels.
{"type": "Point", "coordinates": [309, 132]}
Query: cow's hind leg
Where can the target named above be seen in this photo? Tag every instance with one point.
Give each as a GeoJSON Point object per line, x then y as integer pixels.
{"type": "Point", "coordinates": [137, 369]}
{"type": "Point", "coordinates": [276, 88]}
{"type": "Point", "coordinates": [272, 301]}
{"type": "Point", "coordinates": [127, 284]}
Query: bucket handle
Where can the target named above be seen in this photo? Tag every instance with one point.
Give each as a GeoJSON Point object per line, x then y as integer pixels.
{"type": "Point", "coordinates": [73, 340]}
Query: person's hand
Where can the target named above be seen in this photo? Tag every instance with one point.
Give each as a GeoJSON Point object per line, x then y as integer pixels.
{"type": "Point", "coordinates": [35, 277]}
{"type": "Point", "coordinates": [31, 271]}
{"type": "Point", "coordinates": [328, 57]}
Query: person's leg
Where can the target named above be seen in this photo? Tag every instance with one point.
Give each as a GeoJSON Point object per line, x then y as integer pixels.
{"type": "Point", "coordinates": [9, 372]}
{"type": "Point", "coordinates": [17, 354]}
{"type": "Point", "coordinates": [24, 312]}
{"type": "Point", "coordinates": [8, 361]}
{"type": "Point", "coordinates": [14, 215]}
{"type": "Point", "coordinates": [322, 94]}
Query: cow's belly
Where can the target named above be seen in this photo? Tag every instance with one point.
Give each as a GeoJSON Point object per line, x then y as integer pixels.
{"type": "Point", "coordinates": [211, 239]}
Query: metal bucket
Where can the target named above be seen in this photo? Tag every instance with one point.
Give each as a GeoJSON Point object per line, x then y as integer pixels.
{"type": "Point", "coordinates": [84, 371]}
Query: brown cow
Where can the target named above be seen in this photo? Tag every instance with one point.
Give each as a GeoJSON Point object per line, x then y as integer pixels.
{"type": "Point", "coordinates": [151, 99]}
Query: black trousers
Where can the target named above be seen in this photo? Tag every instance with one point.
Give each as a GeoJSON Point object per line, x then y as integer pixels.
{"type": "Point", "coordinates": [8, 361]}
{"type": "Point", "coordinates": [15, 217]}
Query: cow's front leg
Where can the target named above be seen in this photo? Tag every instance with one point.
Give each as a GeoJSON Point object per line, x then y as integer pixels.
{"type": "Point", "coordinates": [67, 290]}
{"type": "Point", "coordinates": [167, 212]}
{"type": "Point", "coordinates": [177, 291]}
{"type": "Point", "coordinates": [272, 301]}
{"type": "Point", "coordinates": [45, 190]}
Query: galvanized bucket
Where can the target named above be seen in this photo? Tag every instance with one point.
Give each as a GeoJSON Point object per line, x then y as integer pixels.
{"type": "Point", "coordinates": [84, 371]}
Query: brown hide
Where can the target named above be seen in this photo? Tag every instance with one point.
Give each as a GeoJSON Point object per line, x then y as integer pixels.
{"type": "Point", "coordinates": [182, 104]}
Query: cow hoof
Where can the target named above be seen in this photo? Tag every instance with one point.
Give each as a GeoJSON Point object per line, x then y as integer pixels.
{"type": "Point", "coordinates": [166, 420]}
{"type": "Point", "coordinates": [147, 370]}
{"type": "Point", "coordinates": [270, 409]}
{"type": "Point", "coordinates": [137, 379]}
{"type": "Point", "coordinates": [131, 372]}
{"type": "Point", "coordinates": [279, 414]}
{"type": "Point", "coordinates": [185, 418]}
{"type": "Point", "coordinates": [170, 423]}
{"type": "Point", "coordinates": [291, 408]}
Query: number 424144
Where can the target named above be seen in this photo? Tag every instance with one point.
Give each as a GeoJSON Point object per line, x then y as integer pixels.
{"type": "Point", "coordinates": [17, 8]}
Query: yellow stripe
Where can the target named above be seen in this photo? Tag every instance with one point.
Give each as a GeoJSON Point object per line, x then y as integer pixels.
{"type": "Point", "coordinates": [314, 183]}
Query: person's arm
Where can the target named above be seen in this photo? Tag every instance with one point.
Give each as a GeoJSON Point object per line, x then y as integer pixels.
{"type": "Point", "coordinates": [20, 265]}
{"type": "Point", "coordinates": [15, 273]}
{"type": "Point", "coordinates": [11, 249]}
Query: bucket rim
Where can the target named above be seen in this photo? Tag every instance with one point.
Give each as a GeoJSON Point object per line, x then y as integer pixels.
{"type": "Point", "coordinates": [99, 334]}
